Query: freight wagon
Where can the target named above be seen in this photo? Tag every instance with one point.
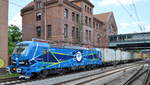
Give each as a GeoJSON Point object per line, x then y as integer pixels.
{"type": "Point", "coordinates": [112, 56]}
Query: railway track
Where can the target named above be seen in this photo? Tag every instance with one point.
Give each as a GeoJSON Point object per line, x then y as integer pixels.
{"type": "Point", "coordinates": [72, 76]}
{"type": "Point", "coordinates": [91, 79]}
{"type": "Point", "coordinates": [142, 72]}
{"type": "Point", "coordinates": [10, 81]}
{"type": "Point", "coordinates": [147, 78]}
{"type": "Point", "coordinates": [66, 79]}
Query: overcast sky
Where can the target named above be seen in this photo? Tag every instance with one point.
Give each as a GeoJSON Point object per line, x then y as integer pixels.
{"type": "Point", "coordinates": [124, 12]}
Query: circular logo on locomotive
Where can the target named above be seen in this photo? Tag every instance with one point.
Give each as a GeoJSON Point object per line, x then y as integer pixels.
{"type": "Point", "coordinates": [78, 56]}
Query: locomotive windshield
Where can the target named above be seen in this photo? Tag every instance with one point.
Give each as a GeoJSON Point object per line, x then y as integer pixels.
{"type": "Point", "coordinates": [20, 49]}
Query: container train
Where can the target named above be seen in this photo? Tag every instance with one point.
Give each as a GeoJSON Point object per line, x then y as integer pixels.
{"type": "Point", "coordinates": [38, 58]}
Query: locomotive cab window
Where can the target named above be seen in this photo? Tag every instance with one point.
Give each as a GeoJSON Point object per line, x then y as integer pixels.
{"type": "Point", "coordinates": [20, 49]}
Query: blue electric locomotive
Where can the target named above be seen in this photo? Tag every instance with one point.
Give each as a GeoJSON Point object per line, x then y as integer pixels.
{"type": "Point", "coordinates": [30, 57]}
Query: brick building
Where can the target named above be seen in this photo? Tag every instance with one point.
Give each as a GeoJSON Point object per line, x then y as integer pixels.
{"type": "Point", "coordinates": [4, 30]}
{"type": "Point", "coordinates": [67, 22]}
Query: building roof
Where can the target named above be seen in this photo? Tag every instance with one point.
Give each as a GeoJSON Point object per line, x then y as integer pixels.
{"type": "Point", "coordinates": [71, 4]}
{"type": "Point", "coordinates": [86, 1]}
{"type": "Point", "coordinates": [104, 16]}
{"type": "Point", "coordinates": [29, 5]}
{"type": "Point", "coordinates": [98, 20]}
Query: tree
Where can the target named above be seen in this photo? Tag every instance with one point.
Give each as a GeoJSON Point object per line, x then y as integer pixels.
{"type": "Point", "coordinates": [14, 36]}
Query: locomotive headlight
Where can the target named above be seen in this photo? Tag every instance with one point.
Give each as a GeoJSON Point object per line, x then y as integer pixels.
{"type": "Point", "coordinates": [18, 70]}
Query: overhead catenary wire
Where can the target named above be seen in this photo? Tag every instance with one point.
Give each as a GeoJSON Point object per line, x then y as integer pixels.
{"type": "Point", "coordinates": [135, 10]}
{"type": "Point", "coordinates": [13, 3]}
{"type": "Point", "coordinates": [136, 13]}
{"type": "Point", "coordinates": [131, 15]}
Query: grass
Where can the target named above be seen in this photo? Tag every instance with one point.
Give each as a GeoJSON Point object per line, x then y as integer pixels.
{"type": "Point", "coordinates": [9, 76]}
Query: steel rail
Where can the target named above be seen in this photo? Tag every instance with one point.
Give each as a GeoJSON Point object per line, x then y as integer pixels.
{"type": "Point", "coordinates": [147, 78]}
{"type": "Point", "coordinates": [95, 78]}
{"type": "Point", "coordinates": [12, 81]}
{"type": "Point", "coordinates": [134, 77]}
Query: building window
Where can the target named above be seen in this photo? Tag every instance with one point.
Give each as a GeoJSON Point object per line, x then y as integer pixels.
{"type": "Point", "coordinates": [38, 16]}
{"type": "Point", "coordinates": [98, 38]}
{"type": "Point", "coordinates": [66, 13]}
{"type": "Point", "coordinates": [38, 31]}
{"type": "Point", "coordinates": [88, 9]}
{"type": "Point", "coordinates": [90, 35]}
{"type": "Point", "coordinates": [91, 11]}
{"type": "Point", "coordinates": [85, 8]}
{"type": "Point", "coordinates": [39, 5]}
{"type": "Point", "coordinates": [100, 25]}
{"type": "Point", "coordinates": [77, 34]}
{"type": "Point", "coordinates": [87, 34]}
{"type": "Point", "coordinates": [93, 24]}
{"type": "Point", "coordinates": [49, 31]}
{"type": "Point", "coordinates": [73, 32]}
{"type": "Point", "coordinates": [73, 16]}
{"type": "Point", "coordinates": [90, 22]}
{"type": "Point", "coordinates": [86, 20]}
{"type": "Point", "coordinates": [96, 25]}
{"type": "Point", "coordinates": [65, 31]}
{"type": "Point", "coordinates": [77, 18]}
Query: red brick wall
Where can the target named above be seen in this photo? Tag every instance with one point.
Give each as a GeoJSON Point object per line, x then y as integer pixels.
{"type": "Point", "coordinates": [4, 30]}
{"type": "Point", "coordinates": [55, 18]}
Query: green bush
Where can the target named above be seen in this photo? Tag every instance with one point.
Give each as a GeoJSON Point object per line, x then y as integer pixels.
{"type": "Point", "coordinates": [2, 64]}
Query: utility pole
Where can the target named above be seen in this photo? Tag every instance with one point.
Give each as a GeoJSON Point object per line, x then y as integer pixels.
{"type": "Point", "coordinates": [4, 30]}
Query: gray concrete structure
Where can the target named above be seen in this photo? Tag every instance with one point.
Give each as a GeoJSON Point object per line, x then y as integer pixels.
{"type": "Point", "coordinates": [4, 30]}
{"type": "Point", "coordinates": [130, 41]}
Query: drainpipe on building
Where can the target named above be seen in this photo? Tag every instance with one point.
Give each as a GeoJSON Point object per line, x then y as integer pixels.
{"type": "Point", "coordinates": [45, 21]}
{"type": "Point", "coordinates": [81, 27]}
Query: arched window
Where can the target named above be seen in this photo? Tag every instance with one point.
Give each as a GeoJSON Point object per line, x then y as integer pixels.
{"type": "Point", "coordinates": [38, 31]}
{"type": "Point", "coordinates": [49, 31]}
{"type": "Point", "coordinates": [77, 18]}
{"type": "Point", "coordinates": [87, 34]}
{"type": "Point", "coordinates": [38, 16]}
{"type": "Point", "coordinates": [90, 34]}
{"type": "Point", "coordinates": [65, 31]}
{"type": "Point", "coordinates": [90, 24]}
{"type": "Point", "coordinates": [88, 9]}
{"type": "Point", "coordinates": [66, 13]}
{"type": "Point", "coordinates": [98, 38]}
{"type": "Point", "coordinates": [93, 24]}
{"type": "Point", "coordinates": [85, 8]}
{"type": "Point", "coordinates": [86, 20]}
{"type": "Point", "coordinates": [73, 16]}
{"type": "Point", "coordinates": [73, 33]}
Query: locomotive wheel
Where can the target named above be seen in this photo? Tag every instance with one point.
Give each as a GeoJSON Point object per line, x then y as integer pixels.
{"type": "Point", "coordinates": [43, 74]}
